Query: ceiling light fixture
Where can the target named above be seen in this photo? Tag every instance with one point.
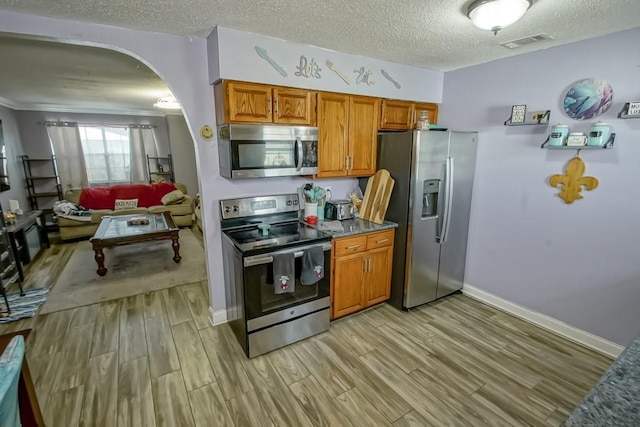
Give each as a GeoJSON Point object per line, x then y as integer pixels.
{"type": "Point", "coordinates": [168, 103]}
{"type": "Point", "coordinates": [495, 15]}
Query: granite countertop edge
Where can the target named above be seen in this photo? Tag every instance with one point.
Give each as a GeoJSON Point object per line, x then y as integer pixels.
{"type": "Point", "coordinates": [355, 226]}
{"type": "Point", "coordinates": [615, 399]}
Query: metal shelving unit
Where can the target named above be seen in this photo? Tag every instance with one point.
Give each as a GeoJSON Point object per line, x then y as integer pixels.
{"type": "Point", "coordinates": [160, 167]}
{"type": "Point", "coordinates": [43, 186]}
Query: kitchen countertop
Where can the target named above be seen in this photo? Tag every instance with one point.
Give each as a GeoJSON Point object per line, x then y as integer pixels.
{"type": "Point", "coordinates": [351, 227]}
{"type": "Point", "coordinates": [615, 400]}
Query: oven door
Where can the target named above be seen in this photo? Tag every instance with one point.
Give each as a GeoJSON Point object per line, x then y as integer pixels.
{"type": "Point", "coordinates": [263, 307]}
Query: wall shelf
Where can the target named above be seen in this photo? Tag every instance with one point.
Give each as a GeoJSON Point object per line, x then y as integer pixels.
{"type": "Point", "coordinates": [624, 114]}
{"type": "Point", "coordinates": [160, 167]}
{"type": "Point", "coordinates": [608, 145]}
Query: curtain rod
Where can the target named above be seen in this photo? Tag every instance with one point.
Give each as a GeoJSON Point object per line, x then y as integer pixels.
{"type": "Point", "coordinates": [118, 125]}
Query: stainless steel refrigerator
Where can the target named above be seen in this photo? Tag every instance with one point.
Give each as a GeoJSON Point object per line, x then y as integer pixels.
{"type": "Point", "coordinates": [431, 202]}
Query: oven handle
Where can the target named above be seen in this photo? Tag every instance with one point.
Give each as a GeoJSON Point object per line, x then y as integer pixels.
{"type": "Point", "coordinates": [268, 258]}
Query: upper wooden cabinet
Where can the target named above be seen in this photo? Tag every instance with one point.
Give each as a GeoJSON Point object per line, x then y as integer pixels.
{"type": "Point", "coordinates": [239, 102]}
{"type": "Point", "coordinates": [432, 109]}
{"type": "Point", "coordinates": [347, 135]}
{"type": "Point", "coordinates": [403, 115]}
{"type": "Point", "coordinates": [396, 115]}
{"type": "Point", "coordinates": [364, 113]}
{"type": "Point", "coordinates": [293, 106]}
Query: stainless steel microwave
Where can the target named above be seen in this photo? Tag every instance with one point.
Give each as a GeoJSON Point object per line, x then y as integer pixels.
{"type": "Point", "coordinates": [258, 151]}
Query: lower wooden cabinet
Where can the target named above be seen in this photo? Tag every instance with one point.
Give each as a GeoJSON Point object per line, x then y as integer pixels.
{"type": "Point", "coordinates": [361, 272]}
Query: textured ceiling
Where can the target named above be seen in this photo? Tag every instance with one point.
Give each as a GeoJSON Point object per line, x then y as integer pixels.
{"type": "Point", "coordinates": [434, 34]}
{"type": "Point", "coordinates": [430, 33]}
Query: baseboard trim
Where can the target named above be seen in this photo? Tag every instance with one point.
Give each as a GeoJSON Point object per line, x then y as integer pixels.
{"type": "Point", "coordinates": [572, 333]}
{"type": "Point", "coordinates": [217, 317]}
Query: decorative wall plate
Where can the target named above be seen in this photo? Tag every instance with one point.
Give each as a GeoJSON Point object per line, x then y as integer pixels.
{"type": "Point", "coordinates": [587, 99]}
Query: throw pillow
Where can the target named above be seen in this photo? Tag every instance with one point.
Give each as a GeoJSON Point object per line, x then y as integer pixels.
{"type": "Point", "coordinates": [172, 198]}
{"type": "Point", "coordinates": [125, 204]}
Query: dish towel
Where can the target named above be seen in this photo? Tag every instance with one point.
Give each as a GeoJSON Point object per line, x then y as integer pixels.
{"type": "Point", "coordinates": [312, 265]}
{"type": "Point", "coordinates": [284, 271]}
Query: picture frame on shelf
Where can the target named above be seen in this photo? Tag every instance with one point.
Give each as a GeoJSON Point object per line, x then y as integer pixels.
{"type": "Point", "coordinates": [633, 109]}
{"type": "Point", "coordinates": [518, 113]}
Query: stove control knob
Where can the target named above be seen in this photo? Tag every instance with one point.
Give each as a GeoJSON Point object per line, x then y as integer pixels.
{"type": "Point", "coordinates": [295, 202]}
{"type": "Point", "coordinates": [227, 209]}
{"type": "Point", "coordinates": [288, 202]}
{"type": "Point", "coordinates": [235, 209]}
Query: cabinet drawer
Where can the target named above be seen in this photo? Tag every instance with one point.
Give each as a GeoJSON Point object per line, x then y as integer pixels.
{"type": "Point", "coordinates": [379, 240]}
{"type": "Point", "coordinates": [351, 245]}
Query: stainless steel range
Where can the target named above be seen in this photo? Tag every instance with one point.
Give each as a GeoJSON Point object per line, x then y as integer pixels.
{"type": "Point", "coordinates": [260, 235]}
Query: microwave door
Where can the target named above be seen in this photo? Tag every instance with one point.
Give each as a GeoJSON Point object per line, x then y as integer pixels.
{"type": "Point", "coordinates": [256, 159]}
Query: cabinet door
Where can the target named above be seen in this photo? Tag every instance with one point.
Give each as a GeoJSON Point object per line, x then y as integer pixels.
{"type": "Point", "coordinates": [248, 103]}
{"type": "Point", "coordinates": [363, 135]}
{"type": "Point", "coordinates": [333, 133]}
{"type": "Point", "coordinates": [426, 106]}
{"type": "Point", "coordinates": [396, 115]}
{"type": "Point", "coordinates": [347, 289]}
{"type": "Point", "coordinates": [292, 106]}
{"type": "Point", "coordinates": [377, 282]}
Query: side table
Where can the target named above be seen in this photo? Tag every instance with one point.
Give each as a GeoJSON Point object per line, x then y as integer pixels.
{"type": "Point", "coordinates": [27, 236]}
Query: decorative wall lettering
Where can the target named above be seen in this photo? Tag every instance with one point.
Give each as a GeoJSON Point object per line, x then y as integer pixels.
{"type": "Point", "coordinates": [573, 181]}
{"type": "Point", "coordinates": [263, 54]}
{"type": "Point", "coordinates": [364, 77]}
{"type": "Point", "coordinates": [308, 69]}
{"type": "Point", "coordinates": [388, 77]}
{"type": "Point", "coordinates": [333, 68]}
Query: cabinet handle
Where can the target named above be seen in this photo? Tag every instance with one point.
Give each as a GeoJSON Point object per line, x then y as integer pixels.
{"type": "Point", "coordinates": [350, 162]}
{"type": "Point", "coordinates": [269, 104]}
{"type": "Point", "coordinates": [413, 116]}
{"type": "Point", "coordinates": [346, 162]}
{"type": "Point", "coordinates": [352, 247]}
{"type": "Point", "coordinates": [276, 103]}
{"type": "Point", "coordinates": [382, 241]}
{"type": "Point", "coordinates": [368, 262]}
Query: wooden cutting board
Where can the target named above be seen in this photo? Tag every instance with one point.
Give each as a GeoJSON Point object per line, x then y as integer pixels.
{"type": "Point", "coordinates": [376, 197]}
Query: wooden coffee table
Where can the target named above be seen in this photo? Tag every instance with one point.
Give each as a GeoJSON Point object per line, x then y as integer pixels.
{"type": "Point", "coordinates": [114, 231]}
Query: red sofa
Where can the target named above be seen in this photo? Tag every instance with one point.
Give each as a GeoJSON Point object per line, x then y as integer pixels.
{"type": "Point", "coordinates": [101, 200]}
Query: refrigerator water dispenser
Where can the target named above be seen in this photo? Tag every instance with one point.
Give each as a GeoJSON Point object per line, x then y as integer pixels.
{"type": "Point", "coordinates": [430, 193]}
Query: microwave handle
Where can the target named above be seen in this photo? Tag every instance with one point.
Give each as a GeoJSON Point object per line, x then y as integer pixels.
{"type": "Point", "coordinates": [298, 148]}
{"type": "Point", "coordinates": [268, 258]}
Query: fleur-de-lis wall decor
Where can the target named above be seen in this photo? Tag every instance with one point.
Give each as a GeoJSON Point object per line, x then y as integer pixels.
{"type": "Point", "coordinates": [573, 181]}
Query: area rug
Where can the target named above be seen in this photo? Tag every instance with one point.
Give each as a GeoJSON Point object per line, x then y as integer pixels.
{"type": "Point", "coordinates": [131, 270]}
{"type": "Point", "coordinates": [23, 306]}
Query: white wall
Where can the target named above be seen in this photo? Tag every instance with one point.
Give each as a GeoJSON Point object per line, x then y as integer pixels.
{"type": "Point", "coordinates": [183, 154]}
{"type": "Point", "coordinates": [577, 263]}
{"type": "Point", "coordinates": [13, 142]}
{"type": "Point", "coordinates": [232, 55]}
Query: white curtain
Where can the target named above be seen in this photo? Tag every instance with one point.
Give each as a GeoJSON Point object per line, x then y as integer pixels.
{"type": "Point", "coordinates": [67, 147]}
{"type": "Point", "coordinates": [143, 144]}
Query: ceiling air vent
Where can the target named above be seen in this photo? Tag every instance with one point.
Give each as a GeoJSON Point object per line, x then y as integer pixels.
{"type": "Point", "coordinates": [514, 44]}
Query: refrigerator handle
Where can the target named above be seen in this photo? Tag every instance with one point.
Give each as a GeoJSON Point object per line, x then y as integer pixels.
{"type": "Point", "coordinates": [448, 200]}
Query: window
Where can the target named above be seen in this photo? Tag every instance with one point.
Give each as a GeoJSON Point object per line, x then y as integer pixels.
{"type": "Point", "coordinates": [107, 154]}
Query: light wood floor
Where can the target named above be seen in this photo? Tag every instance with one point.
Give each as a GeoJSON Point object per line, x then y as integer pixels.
{"type": "Point", "coordinates": [154, 360]}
